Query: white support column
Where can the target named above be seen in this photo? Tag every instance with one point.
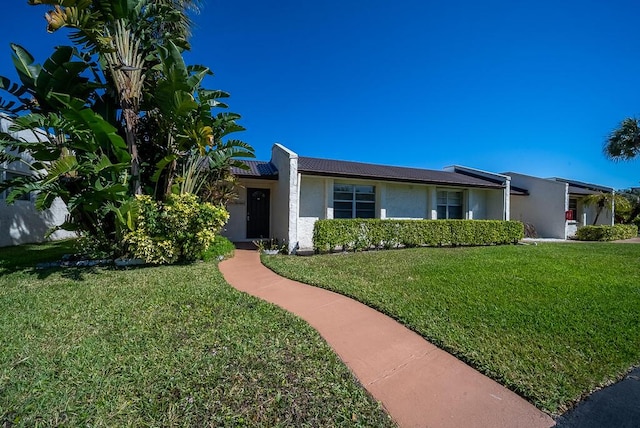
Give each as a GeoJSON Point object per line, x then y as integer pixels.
{"type": "Point", "coordinates": [613, 207]}
{"type": "Point", "coordinates": [433, 203]}
{"type": "Point", "coordinates": [467, 204]}
{"type": "Point", "coordinates": [328, 190]}
{"type": "Point", "coordinates": [507, 200]}
{"type": "Point", "coordinates": [382, 202]}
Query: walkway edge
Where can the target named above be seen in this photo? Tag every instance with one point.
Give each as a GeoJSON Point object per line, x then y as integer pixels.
{"type": "Point", "coordinates": [418, 384]}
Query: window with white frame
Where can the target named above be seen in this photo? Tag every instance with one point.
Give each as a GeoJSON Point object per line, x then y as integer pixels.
{"type": "Point", "coordinates": [449, 204]}
{"type": "Point", "coordinates": [354, 201]}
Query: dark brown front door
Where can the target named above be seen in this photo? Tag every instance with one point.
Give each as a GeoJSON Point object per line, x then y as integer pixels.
{"type": "Point", "coordinates": [258, 213]}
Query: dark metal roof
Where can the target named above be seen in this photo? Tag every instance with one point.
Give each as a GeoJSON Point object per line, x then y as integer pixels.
{"type": "Point", "coordinates": [519, 191]}
{"type": "Point", "coordinates": [582, 188]}
{"type": "Point", "coordinates": [513, 189]}
{"type": "Point", "coordinates": [257, 169]}
{"type": "Point", "coordinates": [574, 190]}
{"type": "Point", "coordinates": [346, 169]}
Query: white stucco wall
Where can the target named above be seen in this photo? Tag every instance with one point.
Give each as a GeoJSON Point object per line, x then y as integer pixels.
{"type": "Point", "coordinates": [476, 204]}
{"type": "Point", "coordinates": [393, 201]}
{"type": "Point", "coordinates": [284, 202]}
{"type": "Point", "coordinates": [405, 201]}
{"type": "Point", "coordinates": [313, 206]}
{"type": "Point", "coordinates": [494, 205]}
{"type": "Point", "coordinates": [21, 223]}
{"type": "Point", "coordinates": [587, 214]}
{"type": "Point", "coordinates": [544, 207]}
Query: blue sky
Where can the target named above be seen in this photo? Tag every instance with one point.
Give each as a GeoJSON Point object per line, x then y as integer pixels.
{"type": "Point", "coordinates": [530, 87]}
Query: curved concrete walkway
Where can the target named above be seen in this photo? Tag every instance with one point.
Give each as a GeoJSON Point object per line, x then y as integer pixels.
{"type": "Point", "coordinates": [417, 383]}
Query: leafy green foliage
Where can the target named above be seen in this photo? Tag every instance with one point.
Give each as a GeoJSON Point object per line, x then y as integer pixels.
{"type": "Point", "coordinates": [272, 245]}
{"type": "Point", "coordinates": [221, 247]}
{"type": "Point", "coordinates": [117, 114]}
{"type": "Point", "coordinates": [192, 149]}
{"type": "Point", "coordinates": [180, 229]}
{"type": "Point", "coordinates": [607, 233]}
{"type": "Point", "coordinates": [364, 234]}
{"type": "Point", "coordinates": [552, 322]}
{"type": "Point", "coordinates": [624, 142]}
{"type": "Point", "coordinates": [629, 212]}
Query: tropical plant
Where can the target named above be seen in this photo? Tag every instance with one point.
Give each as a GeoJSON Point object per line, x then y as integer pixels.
{"type": "Point", "coordinates": [124, 34]}
{"type": "Point", "coordinates": [117, 114]}
{"type": "Point", "coordinates": [78, 155]}
{"type": "Point", "coordinates": [182, 124]}
{"type": "Point", "coordinates": [602, 200]}
{"type": "Point", "coordinates": [630, 214]}
{"type": "Point", "coordinates": [624, 142]}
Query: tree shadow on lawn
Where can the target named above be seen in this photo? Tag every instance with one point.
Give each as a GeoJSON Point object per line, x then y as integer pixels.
{"type": "Point", "coordinates": [27, 258]}
{"type": "Point", "coordinates": [39, 260]}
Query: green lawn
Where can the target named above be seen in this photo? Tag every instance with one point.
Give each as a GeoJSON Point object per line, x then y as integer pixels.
{"type": "Point", "coordinates": [160, 346]}
{"type": "Point", "coordinates": [552, 322]}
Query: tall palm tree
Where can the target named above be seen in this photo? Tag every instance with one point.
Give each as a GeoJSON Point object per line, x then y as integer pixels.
{"type": "Point", "coordinates": [624, 142]}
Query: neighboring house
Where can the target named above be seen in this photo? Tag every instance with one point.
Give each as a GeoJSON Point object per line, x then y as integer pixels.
{"type": "Point", "coordinates": [284, 197]}
{"type": "Point", "coordinates": [20, 222]}
{"type": "Point", "coordinates": [554, 206]}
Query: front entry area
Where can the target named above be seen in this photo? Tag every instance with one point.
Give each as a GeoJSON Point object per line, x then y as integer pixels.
{"type": "Point", "coordinates": [258, 208]}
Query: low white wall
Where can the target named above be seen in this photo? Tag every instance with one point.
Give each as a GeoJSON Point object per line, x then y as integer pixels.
{"type": "Point", "coordinates": [544, 207]}
{"type": "Point", "coordinates": [21, 223]}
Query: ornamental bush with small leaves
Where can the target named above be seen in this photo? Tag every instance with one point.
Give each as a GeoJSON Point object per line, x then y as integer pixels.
{"type": "Point", "coordinates": [607, 233]}
{"type": "Point", "coordinates": [180, 229]}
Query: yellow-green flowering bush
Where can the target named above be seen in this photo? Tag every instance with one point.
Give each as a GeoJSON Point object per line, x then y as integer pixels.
{"type": "Point", "coordinates": [180, 229]}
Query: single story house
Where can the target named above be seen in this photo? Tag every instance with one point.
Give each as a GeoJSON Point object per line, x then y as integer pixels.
{"type": "Point", "coordinates": [21, 223]}
{"type": "Point", "coordinates": [555, 206]}
{"type": "Point", "coordinates": [282, 198]}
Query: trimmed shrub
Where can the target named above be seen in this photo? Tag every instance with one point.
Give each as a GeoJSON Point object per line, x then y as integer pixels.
{"type": "Point", "coordinates": [364, 234]}
{"type": "Point", "coordinates": [607, 233]}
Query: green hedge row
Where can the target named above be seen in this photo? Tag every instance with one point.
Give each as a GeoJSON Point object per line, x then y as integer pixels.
{"type": "Point", "coordinates": [364, 234]}
{"type": "Point", "coordinates": [607, 233]}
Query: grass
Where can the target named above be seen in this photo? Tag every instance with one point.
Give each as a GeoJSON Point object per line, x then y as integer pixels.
{"type": "Point", "coordinates": [551, 322]}
{"type": "Point", "coordinates": [160, 346]}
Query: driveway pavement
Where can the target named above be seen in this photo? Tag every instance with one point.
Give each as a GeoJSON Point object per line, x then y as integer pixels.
{"type": "Point", "coordinates": [614, 406]}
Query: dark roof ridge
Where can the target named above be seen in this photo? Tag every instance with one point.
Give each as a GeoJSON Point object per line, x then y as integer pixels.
{"type": "Point", "coordinates": [368, 171]}
{"type": "Point", "coordinates": [584, 185]}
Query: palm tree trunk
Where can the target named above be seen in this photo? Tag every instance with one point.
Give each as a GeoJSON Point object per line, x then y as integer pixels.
{"type": "Point", "coordinates": [595, 220]}
{"type": "Point", "coordinates": [131, 119]}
